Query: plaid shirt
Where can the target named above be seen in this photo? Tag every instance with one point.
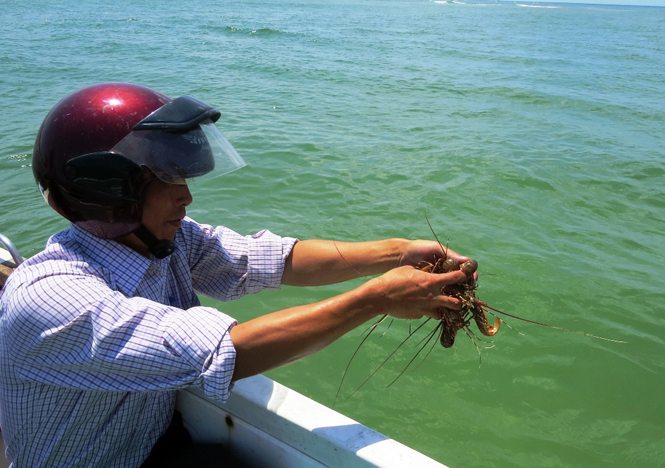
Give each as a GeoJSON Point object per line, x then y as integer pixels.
{"type": "Point", "coordinates": [95, 339]}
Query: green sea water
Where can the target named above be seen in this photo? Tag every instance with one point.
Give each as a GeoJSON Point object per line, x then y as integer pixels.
{"type": "Point", "coordinates": [531, 135]}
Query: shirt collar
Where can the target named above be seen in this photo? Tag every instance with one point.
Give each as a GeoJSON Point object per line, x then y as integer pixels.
{"type": "Point", "coordinates": [125, 265]}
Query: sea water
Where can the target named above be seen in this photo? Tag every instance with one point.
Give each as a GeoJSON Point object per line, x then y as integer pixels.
{"type": "Point", "coordinates": [531, 135]}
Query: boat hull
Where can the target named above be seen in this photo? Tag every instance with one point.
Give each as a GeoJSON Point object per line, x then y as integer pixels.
{"type": "Point", "coordinates": [267, 424]}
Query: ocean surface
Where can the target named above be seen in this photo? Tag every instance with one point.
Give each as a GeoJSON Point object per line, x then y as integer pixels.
{"type": "Point", "coordinates": [530, 134]}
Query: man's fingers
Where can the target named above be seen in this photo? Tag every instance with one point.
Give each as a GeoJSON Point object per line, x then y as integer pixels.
{"type": "Point", "coordinates": [445, 279]}
{"type": "Point", "coordinates": [435, 314]}
{"type": "Point", "coordinates": [442, 300]}
{"type": "Point", "coordinates": [447, 302]}
{"type": "Point", "coordinates": [451, 303]}
{"type": "Point", "coordinates": [452, 254]}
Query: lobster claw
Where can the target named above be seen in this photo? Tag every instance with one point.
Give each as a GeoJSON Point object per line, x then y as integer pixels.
{"type": "Point", "coordinates": [493, 329]}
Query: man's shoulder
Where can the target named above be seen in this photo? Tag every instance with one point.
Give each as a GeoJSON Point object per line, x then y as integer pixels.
{"type": "Point", "coordinates": [44, 280]}
{"type": "Point", "coordinates": [64, 251]}
{"type": "Point", "coordinates": [192, 235]}
{"type": "Point", "coordinates": [191, 227]}
{"type": "Point", "coordinates": [64, 255]}
{"type": "Point", "coordinates": [56, 260]}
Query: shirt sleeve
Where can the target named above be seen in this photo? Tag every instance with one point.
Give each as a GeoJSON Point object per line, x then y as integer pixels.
{"type": "Point", "coordinates": [74, 331]}
{"type": "Point", "coordinates": [226, 265]}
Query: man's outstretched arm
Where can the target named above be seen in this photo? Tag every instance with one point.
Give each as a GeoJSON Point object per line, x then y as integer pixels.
{"type": "Point", "coordinates": [282, 337]}
{"type": "Point", "coordinates": [319, 262]}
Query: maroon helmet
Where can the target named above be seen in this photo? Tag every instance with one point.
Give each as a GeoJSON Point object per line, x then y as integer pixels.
{"type": "Point", "coordinates": [95, 145]}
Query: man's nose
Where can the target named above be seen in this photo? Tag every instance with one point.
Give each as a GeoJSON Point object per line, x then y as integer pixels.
{"type": "Point", "coordinates": [183, 197]}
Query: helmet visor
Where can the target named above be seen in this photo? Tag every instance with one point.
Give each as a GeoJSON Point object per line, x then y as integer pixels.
{"type": "Point", "coordinates": [177, 155]}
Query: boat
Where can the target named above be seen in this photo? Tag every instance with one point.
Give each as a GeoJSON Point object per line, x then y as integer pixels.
{"type": "Point", "coordinates": [266, 424]}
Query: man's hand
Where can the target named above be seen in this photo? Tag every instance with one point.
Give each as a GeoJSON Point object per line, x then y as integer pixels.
{"type": "Point", "coordinates": [408, 293]}
{"type": "Point", "coordinates": [429, 251]}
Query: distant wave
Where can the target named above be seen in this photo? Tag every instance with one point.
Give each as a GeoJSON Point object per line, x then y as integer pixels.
{"type": "Point", "coordinates": [266, 31]}
{"type": "Point", "coordinates": [456, 2]}
{"type": "Point", "coordinates": [535, 6]}
{"type": "Point", "coordinates": [260, 31]}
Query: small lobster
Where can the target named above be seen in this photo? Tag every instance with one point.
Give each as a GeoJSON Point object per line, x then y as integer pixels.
{"type": "Point", "coordinates": [452, 320]}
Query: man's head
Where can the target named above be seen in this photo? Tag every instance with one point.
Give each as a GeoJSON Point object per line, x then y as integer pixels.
{"type": "Point", "coordinates": [95, 147]}
{"type": "Point", "coordinates": [164, 206]}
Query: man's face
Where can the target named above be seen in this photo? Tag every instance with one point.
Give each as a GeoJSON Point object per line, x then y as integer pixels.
{"type": "Point", "coordinates": [164, 207]}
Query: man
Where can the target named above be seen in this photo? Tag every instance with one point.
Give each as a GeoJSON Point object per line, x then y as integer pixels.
{"type": "Point", "coordinates": [99, 330]}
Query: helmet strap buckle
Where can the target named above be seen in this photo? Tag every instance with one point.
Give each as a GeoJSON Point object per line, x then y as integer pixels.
{"type": "Point", "coordinates": [159, 248]}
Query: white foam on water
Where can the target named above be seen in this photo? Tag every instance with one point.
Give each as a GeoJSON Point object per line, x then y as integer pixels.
{"type": "Point", "coordinates": [535, 6]}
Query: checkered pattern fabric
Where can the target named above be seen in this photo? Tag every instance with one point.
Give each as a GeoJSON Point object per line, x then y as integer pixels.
{"type": "Point", "coordinates": [95, 339]}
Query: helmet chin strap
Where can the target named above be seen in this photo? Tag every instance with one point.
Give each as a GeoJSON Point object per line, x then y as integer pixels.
{"type": "Point", "coordinates": [159, 248]}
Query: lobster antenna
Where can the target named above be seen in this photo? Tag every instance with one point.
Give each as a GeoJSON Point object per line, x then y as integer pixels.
{"type": "Point", "coordinates": [371, 329]}
{"type": "Point", "coordinates": [547, 324]}
{"type": "Point", "coordinates": [444, 250]}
